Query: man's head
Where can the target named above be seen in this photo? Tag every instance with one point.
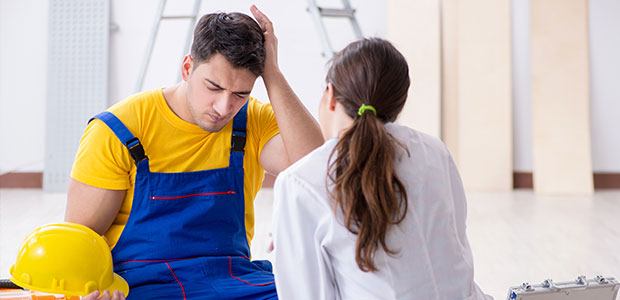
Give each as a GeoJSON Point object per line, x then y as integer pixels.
{"type": "Point", "coordinates": [235, 36]}
{"type": "Point", "coordinates": [226, 57]}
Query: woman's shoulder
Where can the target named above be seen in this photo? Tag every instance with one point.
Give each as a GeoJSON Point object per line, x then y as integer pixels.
{"type": "Point", "coordinates": [418, 144]}
{"type": "Point", "coordinates": [311, 170]}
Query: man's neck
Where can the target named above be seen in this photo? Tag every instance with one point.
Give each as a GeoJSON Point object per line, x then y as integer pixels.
{"type": "Point", "coordinates": [175, 97]}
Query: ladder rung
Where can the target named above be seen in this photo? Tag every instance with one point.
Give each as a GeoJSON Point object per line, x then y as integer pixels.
{"type": "Point", "coordinates": [178, 17]}
{"type": "Point", "coordinates": [337, 12]}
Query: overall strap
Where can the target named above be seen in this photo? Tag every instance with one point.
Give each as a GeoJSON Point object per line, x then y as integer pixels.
{"type": "Point", "coordinates": [237, 143]}
{"type": "Point", "coordinates": [124, 135]}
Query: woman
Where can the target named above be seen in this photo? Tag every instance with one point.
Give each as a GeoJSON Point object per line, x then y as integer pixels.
{"type": "Point", "coordinates": [378, 211]}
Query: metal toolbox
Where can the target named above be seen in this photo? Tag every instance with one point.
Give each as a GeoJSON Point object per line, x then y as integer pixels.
{"type": "Point", "coordinates": [599, 288]}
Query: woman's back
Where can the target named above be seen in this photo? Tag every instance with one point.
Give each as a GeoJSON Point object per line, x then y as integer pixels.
{"type": "Point", "coordinates": [316, 253]}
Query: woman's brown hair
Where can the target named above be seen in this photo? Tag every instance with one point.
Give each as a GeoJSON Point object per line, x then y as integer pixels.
{"type": "Point", "coordinates": [362, 172]}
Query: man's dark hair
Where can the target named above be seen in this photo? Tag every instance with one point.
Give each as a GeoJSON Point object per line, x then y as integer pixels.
{"type": "Point", "coordinates": [236, 36]}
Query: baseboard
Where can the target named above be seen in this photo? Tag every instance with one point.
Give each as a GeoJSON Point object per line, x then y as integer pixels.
{"type": "Point", "coordinates": [521, 180]}
{"type": "Point", "coordinates": [602, 181]}
{"type": "Point", "coordinates": [607, 181]}
{"type": "Point", "coordinates": [23, 180]}
{"type": "Point", "coordinates": [30, 180]}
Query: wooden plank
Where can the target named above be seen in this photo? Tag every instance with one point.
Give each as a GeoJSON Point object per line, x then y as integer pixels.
{"type": "Point", "coordinates": [449, 77]}
{"type": "Point", "coordinates": [560, 97]}
{"type": "Point", "coordinates": [484, 110]}
{"type": "Point", "coordinates": [414, 28]}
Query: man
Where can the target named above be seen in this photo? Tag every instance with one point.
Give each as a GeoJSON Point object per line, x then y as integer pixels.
{"type": "Point", "coordinates": [169, 176]}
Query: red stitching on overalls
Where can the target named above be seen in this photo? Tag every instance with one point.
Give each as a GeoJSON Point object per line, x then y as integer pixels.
{"type": "Point", "coordinates": [153, 260]}
{"type": "Point", "coordinates": [143, 261]}
{"type": "Point", "coordinates": [192, 195]}
{"type": "Point", "coordinates": [244, 281]}
{"type": "Point", "coordinates": [177, 279]}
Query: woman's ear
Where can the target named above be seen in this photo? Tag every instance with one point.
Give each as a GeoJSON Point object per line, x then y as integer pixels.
{"type": "Point", "coordinates": [331, 100]}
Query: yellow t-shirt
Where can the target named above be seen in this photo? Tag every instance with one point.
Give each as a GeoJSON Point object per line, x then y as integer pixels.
{"type": "Point", "coordinates": [173, 145]}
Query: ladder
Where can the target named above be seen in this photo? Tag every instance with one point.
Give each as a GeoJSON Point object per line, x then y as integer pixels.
{"type": "Point", "coordinates": [318, 13]}
{"type": "Point", "coordinates": [159, 16]}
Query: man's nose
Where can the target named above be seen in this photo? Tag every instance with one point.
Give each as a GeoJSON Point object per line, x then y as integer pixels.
{"type": "Point", "coordinates": [224, 104]}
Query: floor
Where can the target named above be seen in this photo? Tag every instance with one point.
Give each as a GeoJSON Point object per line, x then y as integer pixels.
{"type": "Point", "coordinates": [515, 237]}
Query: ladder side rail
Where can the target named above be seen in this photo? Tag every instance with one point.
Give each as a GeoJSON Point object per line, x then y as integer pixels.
{"type": "Point", "coordinates": [151, 43]}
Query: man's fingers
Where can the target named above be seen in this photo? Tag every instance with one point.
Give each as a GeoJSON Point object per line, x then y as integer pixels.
{"type": "Point", "coordinates": [105, 295]}
{"type": "Point", "coordinates": [92, 296]}
{"type": "Point", "coordinates": [262, 19]}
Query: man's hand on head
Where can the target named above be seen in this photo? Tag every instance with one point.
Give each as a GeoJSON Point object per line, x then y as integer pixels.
{"type": "Point", "coordinates": [299, 131]}
{"type": "Point", "coordinates": [271, 42]}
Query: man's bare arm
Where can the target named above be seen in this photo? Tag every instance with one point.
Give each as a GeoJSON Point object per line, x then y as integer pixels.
{"type": "Point", "coordinates": [299, 131]}
{"type": "Point", "coordinates": [91, 206]}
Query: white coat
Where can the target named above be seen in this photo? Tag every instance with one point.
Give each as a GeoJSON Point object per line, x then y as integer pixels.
{"type": "Point", "coordinates": [315, 253]}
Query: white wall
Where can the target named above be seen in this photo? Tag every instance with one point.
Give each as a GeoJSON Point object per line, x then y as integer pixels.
{"type": "Point", "coordinates": [23, 71]}
{"type": "Point", "coordinates": [605, 84]}
{"type": "Point", "coordinates": [521, 87]}
{"type": "Point", "coordinates": [23, 51]}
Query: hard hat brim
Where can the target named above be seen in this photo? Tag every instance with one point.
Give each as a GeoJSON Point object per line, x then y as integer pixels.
{"type": "Point", "coordinates": [119, 284]}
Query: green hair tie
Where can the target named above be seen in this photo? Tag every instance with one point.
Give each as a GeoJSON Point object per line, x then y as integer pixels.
{"type": "Point", "coordinates": [364, 108]}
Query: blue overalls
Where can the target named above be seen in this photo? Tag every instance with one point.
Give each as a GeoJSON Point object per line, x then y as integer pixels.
{"type": "Point", "coordinates": [185, 237]}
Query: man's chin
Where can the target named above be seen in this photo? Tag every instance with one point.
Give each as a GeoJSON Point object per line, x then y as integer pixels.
{"type": "Point", "coordinates": [211, 127]}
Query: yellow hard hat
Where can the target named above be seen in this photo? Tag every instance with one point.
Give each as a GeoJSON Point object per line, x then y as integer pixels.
{"type": "Point", "coordinates": [66, 258]}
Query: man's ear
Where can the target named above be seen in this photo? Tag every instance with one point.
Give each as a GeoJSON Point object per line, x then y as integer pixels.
{"type": "Point", "coordinates": [187, 66]}
{"type": "Point", "coordinates": [331, 100]}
